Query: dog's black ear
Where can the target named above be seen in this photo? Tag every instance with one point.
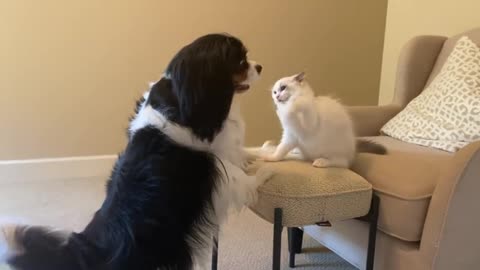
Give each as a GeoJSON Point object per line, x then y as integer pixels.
{"type": "Point", "coordinates": [162, 99]}
{"type": "Point", "coordinates": [201, 78]}
{"type": "Point", "coordinates": [300, 77]}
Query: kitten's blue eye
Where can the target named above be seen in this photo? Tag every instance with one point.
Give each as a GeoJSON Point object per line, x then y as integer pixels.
{"type": "Point", "coordinates": [283, 87]}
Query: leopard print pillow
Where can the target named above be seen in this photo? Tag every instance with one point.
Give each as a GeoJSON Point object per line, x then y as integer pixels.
{"type": "Point", "coordinates": [446, 115]}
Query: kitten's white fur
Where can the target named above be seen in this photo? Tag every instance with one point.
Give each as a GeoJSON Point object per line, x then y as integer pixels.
{"type": "Point", "coordinates": [320, 127]}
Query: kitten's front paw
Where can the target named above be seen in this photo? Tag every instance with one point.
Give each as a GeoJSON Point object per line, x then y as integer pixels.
{"type": "Point", "coordinates": [268, 144]}
{"type": "Point", "coordinates": [321, 163]}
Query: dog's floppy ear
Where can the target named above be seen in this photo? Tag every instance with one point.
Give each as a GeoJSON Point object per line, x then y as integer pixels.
{"type": "Point", "coordinates": [300, 77]}
{"type": "Point", "coordinates": [203, 86]}
{"type": "Point", "coordinates": [162, 99]}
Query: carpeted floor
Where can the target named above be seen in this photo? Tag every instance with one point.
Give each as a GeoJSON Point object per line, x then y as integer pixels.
{"type": "Point", "coordinates": [245, 242]}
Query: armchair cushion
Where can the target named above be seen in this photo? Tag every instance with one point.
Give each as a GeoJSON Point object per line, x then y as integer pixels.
{"type": "Point", "coordinates": [404, 180]}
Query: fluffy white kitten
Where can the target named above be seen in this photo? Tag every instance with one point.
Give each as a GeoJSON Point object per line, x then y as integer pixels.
{"type": "Point", "coordinates": [320, 127]}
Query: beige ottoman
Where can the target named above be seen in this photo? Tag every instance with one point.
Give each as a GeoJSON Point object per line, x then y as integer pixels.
{"type": "Point", "coordinates": [309, 195]}
{"type": "Point", "coordinates": [299, 194]}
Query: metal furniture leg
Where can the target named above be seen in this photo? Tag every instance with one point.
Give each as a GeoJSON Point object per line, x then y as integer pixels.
{"type": "Point", "coordinates": [295, 238]}
{"type": "Point", "coordinates": [277, 238]}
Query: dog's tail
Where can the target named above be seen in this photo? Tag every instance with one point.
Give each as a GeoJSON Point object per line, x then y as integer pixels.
{"type": "Point", "coordinates": [366, 146]}
{"type": "Point", "coordinates": [36, 248]}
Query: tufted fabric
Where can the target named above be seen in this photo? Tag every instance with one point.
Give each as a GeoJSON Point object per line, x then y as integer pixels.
{"type": "Point", "coordinates": [309, 195]}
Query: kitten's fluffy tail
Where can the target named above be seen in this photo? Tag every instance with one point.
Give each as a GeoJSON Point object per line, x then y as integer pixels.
{"type": "Point", "coordinates": [366, 146]}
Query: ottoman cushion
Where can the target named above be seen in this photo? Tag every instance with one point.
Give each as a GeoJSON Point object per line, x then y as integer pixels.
{"type": "Point", "coordinates": [309, 195]}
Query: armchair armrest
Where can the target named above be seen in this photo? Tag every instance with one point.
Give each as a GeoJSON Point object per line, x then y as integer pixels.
{"type": "Point", "coordinates": [414, 66]}
{"type": "Point", "coordinates": [368, 120]}
{"type": "Point", "coordinates": [450, 235]}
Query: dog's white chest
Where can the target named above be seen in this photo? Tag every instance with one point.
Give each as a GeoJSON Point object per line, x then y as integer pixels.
{"type": "Point", "coordinates": [229, 142]}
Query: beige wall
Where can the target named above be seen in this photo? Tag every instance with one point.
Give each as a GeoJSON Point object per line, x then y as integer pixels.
{"type": "Point", "coordinates": [71, 70]}
{"type": "Point", "coordinates": [409, 18]}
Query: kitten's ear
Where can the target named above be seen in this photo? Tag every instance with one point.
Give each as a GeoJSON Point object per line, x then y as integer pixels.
{"type": "Point", "coordinates": [300, 77]}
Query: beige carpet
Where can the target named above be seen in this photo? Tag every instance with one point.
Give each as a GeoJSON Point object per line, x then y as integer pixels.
{"type": "Point", "coordinates": [245, 243]}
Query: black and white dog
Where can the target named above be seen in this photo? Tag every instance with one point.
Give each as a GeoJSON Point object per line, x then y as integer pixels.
{"type": "Point", "coordinates": [180, 173]}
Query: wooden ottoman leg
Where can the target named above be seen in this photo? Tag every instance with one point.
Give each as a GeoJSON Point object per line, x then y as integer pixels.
{"type": "Point", "coordinates": [215, 251]}
{"type": "Point", "coordinates": [277, 238]}
{"type": "Point", "coordinates": [295, 238]}
{"type": "Point", "coordinates": [372, 236]}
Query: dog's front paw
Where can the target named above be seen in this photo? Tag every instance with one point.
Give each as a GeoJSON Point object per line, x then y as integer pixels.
{"type": "Point", "coordinates": [263, 174]}
{"type": "Point", "coordinates": [249, 160]}
{"type": "Point", "coordinates": [269, 158]}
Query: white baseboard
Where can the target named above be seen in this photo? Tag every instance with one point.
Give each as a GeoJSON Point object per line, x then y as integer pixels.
{"type": "Point", "coordinates": [56, 168]}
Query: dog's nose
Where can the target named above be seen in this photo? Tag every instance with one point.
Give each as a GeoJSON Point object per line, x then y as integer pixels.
{"type": "Point", "coordinates": [258, 68]}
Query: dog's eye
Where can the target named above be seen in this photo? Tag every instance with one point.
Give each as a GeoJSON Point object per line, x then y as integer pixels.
{"type": "Point", "coordinates": [283, 87]}
{"type": "Point", "coordinates": [242, 62]}
{"type": "Point", "coordinates": [274, 92]}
